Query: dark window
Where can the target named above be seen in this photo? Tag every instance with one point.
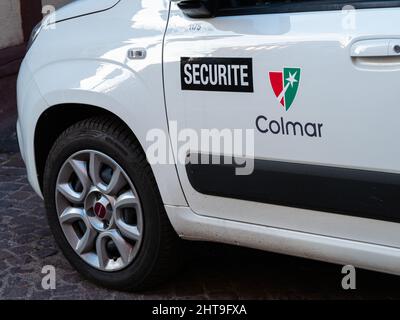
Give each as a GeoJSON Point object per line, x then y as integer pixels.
{"type": "Point", "coordinates": [240, 7]}
{"type": "Point", "coordinates": [250, 3]}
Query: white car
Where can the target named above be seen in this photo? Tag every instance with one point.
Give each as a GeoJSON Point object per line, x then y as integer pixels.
{"type": "Point", "coordinates": [312, 86]}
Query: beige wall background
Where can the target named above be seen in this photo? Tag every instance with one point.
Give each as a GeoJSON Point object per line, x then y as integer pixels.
{"type": "Point", "coordinates": [10, 21]}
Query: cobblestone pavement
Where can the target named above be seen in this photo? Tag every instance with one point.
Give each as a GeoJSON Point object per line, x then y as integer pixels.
{"type": "Point", "coordinates": [212, 272]}
{"type": "Point", "coordinates": [8, 114]}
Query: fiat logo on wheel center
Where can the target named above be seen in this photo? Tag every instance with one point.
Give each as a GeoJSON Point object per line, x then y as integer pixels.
{"type": "Point", "coordinates": [100, 210]}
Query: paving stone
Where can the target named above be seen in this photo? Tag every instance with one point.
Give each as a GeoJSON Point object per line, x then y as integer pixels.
{"type": "Point", "coordinates": [46, 252]}
{"type": "Point", "coordinates": [9, 186]}
{"type": "Point", "coordinates": [14, 161]}
{"type": "Point", "coordinates": [3, 158]}
{"type": "Point", "coordinates": [27, 187]}
{"type": "Point", "coordinates": [16, 292]}
{"type": "Point", "coordinates": [10, 178]}
{"type": "Point", "coordinates": [20, 196]}
{"type": "Point", "coordinates": [12, 172]}
{"type": "Point", "coordinates": [42, 295]}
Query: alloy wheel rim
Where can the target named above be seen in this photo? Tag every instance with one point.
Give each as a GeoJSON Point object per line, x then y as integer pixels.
{"type": "Point", "coordinates": [99, 210]}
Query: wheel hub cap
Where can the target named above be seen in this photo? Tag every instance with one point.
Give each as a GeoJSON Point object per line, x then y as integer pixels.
{"type": "Point", "coordinates": [100, 210]}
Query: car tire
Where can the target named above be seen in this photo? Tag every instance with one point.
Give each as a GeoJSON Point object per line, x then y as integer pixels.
{"type": "Point", "coordinates": [159, 253]}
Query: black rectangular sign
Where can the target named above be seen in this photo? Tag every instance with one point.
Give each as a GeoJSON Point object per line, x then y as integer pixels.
{"type": "Point", "coordinates": [217, 74]}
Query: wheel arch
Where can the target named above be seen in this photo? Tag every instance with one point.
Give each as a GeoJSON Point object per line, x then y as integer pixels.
{"type": "Point", "coordinates": [55, 120]}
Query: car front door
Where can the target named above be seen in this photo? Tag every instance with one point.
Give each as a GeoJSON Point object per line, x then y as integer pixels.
{"type": "Point", "coordinates": [318, 87]}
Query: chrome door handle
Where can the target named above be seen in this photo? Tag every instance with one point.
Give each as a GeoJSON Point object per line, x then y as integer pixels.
{"type": "Point", "coordinates": [376, 48]}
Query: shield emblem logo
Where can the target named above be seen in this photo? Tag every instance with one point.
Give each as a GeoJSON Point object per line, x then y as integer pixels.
{"type": "Point", "coordinates": [285, 85]}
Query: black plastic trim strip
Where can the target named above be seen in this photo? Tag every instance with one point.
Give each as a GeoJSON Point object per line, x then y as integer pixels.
{"type": "Point", "coordinates": [306, 6]}
{"type": "Point", "coordinates": [353, 192]}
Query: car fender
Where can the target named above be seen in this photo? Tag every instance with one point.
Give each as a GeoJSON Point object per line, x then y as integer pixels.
{"type": "Point", "coordinates": [119, 90]}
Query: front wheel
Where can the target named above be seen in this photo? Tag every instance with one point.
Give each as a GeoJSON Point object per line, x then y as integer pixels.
{"type": "Point", "coordinates": [104, 208]}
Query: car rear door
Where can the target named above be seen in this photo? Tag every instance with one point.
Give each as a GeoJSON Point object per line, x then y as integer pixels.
{"type": "Point", "coordinates": [317, 83]}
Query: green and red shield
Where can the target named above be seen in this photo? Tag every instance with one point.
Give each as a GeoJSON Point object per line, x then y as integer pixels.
{"type": "Point", "coordinates": [285, 85]}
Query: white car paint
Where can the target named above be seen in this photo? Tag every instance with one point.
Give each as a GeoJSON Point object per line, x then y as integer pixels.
{"type": "Point", "coordinates": [82, 7]}
{"type": "Point", "coordinates": [84, 61]}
